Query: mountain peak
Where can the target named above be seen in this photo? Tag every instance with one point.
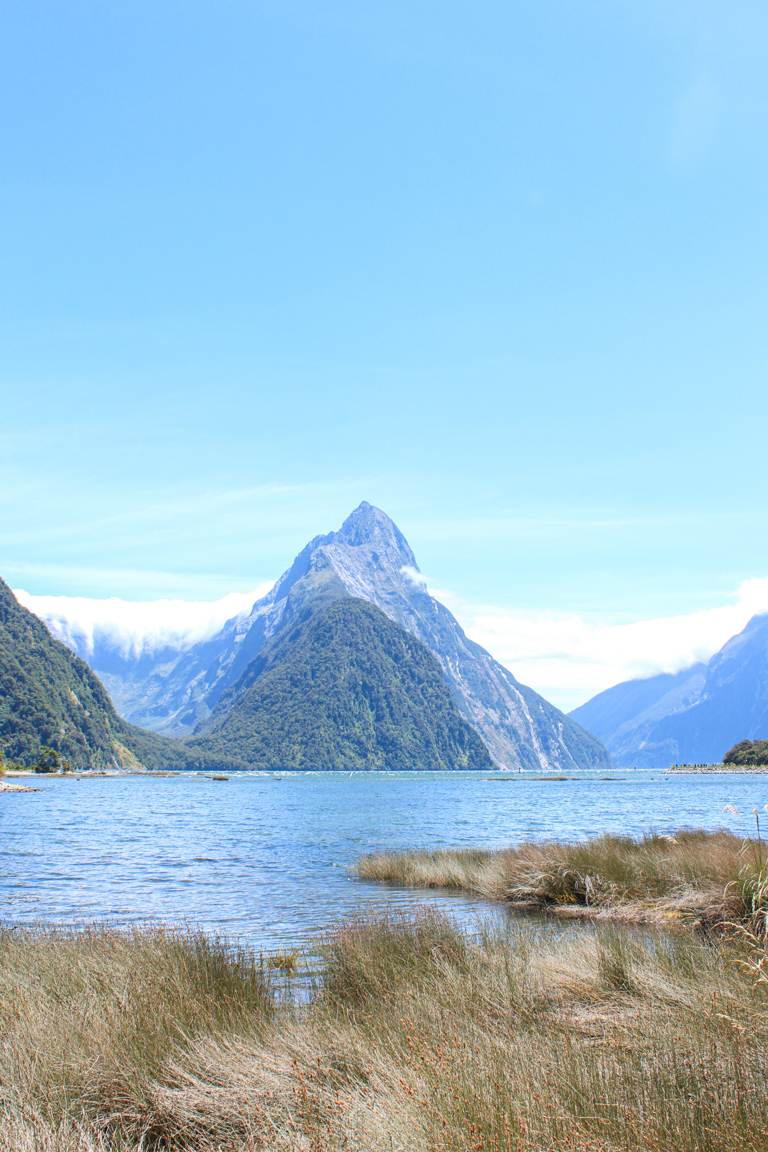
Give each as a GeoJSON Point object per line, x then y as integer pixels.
{"type": "Point", "coordinates": [365, 519]}
{"type": "Point", "coordinates": [367, 559]}
{"type": "Point", "coordinates": [369, 525]}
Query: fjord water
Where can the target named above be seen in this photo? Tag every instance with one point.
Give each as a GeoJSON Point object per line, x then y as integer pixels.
{"type": "Point", "coordinates": [266, 858]}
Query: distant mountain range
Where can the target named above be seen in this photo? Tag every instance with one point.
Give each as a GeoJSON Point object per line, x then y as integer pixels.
{"type": "Point", "coordinates": [693, 716]}
{"type": "Point", "coordinates": [349, 662]}
{"type": "Point", "coordinates": [312, 677]}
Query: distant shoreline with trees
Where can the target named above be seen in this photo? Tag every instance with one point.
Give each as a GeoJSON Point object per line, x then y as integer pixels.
{"type": "Point", "coordinates": [746, 756]}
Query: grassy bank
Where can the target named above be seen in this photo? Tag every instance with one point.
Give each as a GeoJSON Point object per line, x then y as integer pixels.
{"type": "Point", "coordinates": [707, 877]}
{"type": "Point", "coordinates": [419, 1040]}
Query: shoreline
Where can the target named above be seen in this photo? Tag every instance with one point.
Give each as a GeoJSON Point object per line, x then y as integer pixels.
{"type": "Point", "coordinates": [717, 769]}
{"type": "Point", "coordinates": [712, 880]}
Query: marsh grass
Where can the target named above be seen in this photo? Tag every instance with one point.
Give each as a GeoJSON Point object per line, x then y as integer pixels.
{"type": "Point", "coordinates": [419, 1039]}
{"type": "Point", "coordinates": [708, 877]}
{"type": "Point", "coordinates": [286, 962]}
{"type": "Point", "coordinates": [88, 1020]}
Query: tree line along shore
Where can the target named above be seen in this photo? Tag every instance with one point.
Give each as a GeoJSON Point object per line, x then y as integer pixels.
{"type": "Point", "coordinates": [746, 756]}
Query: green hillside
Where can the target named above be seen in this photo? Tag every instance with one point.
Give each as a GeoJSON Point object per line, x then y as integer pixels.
{"type": "Point", "coordinates": [345, 688]}
{"type": "Point", "coordinates": [51, 698]}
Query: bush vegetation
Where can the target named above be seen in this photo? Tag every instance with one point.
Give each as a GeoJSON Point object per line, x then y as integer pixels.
{"type": "Point", "coordinates": [345, 688]}
{"type": "Point", "coordinates": [49, 760]}
{"type": "Point", "coordinates": [747, 752]}
{"type": "Point", "coordinates": [53, 705]}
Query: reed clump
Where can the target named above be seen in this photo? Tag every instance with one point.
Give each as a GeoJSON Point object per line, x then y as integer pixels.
{"type": "Point", "coordinates": [418, 1038]}
{"type": "Point", "coordinates": [706, 877]}
{"type": "Point", "coordinates": [88, 1021]}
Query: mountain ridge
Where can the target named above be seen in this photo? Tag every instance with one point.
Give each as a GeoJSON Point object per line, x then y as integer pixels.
{"type": "Point", "coordinates": [344, 688]}
{"type": "Point", "coordinates": [692, 716]}
{"type": "Point", "coordinates": [367, 558]}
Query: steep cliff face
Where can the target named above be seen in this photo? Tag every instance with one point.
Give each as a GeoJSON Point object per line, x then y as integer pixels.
{"type": "Point", "coordinates": [368, 559]}
{"type": "Point", "coordinates": [694, 716]}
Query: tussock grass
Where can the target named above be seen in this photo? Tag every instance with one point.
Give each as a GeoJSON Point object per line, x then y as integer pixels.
{"type": "Point", "coordinates": [285, 962]}
{"type": "Point", "coordinates": [710, 877]}
{"type": "Point", "coordinates": [88, 1020]}
{"type": "Point", "coordinates": [418, 1038]}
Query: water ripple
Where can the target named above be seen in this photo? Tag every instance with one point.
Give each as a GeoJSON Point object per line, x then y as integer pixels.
{"type": "Point", "coordinates": [266, 859]}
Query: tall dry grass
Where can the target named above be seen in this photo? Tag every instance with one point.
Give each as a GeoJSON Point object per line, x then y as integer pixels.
{"type": "Point", "coordinates": [712, 877]}
{"type": "Point", "coordinates": [89, 1020]}
{"type": "Point", "coordinates": [418, 1039]}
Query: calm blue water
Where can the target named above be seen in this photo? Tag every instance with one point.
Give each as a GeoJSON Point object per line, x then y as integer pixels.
{"type": "Point", "coordinates": [265, 858]}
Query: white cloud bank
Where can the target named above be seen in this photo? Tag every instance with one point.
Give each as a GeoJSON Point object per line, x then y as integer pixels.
{"type": "Point", "coordinates": [134, 627]}
{"type": "Point", "coordinates": [565, 656]}
{"type": "Point", "coordinates": [568, 658]}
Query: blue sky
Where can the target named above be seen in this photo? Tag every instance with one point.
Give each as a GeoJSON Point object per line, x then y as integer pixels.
{"type": "Point", "coordinates": [500, 268]}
